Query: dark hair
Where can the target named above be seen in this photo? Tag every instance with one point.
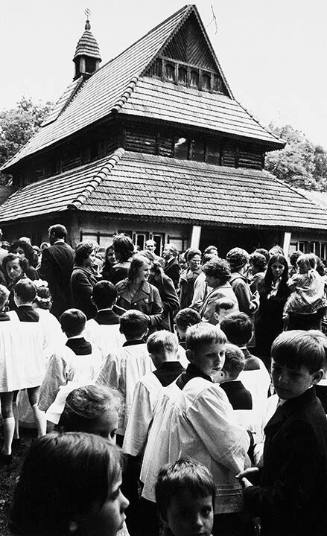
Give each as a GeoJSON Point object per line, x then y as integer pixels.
{"type": "Point", "coordinates": [23, 263]}
{"type": "Point", "coordinates": [234, 361]}
{"type": "Point", "coordinates": [25, 290]}
{"type": "Point", "coordinates": [162, 340]}
{"type": "Point", "coordinates": [136, 264]}
{"type": "Point", "coordinates": [294, 257]}
{"type": "Point", "coordinates": [191, 253]}
{"type": "Point", "coordinates": [183, 475]}
{"type": "Point", "coordinates": [72, 322]}
{"type": "Point", "coordinates": [206, 257]}
{"type": "Point", "coordinates": [82, 251]}
{"type": "Point", "coordinates": [43, 296]}
{"type": "Point", "coordinates": [157, 269]}
{"type": "Point", "coordinates": [104, 294]}
{"type": "Point", "coordinates": [86, 404]}
{"type": "Point", "coordinates": [263, 252]}
{"type": "Point", "coordinates": [187, 317]}
{"type": "Point", "coordinates": [237, 258]}
{"type": "Point", "coordinates": [134, 324]}
{"type": "Point", "coordinates": [26, 247]}
{"type": "Point", "coordinates": [203, 333]}
{"type": "Point", "coordinates": [258, 261]}
{"type": "Point", "coordinates": [237, 328]}
{"type": "Point", "coordinates": [58, 230]}
{"type": "Point", "coordinates": [123, 247]}
{"type": "Point", "coordinates": [219, 269]}
{"type": "Point", "coordinates": [224, 303]}
{"type": "Point", "coordinates": [63, 477]}
{"type": "Point", "coordinates": [299, 348]}
{"type": "Point", "coordinates": [268, 279]}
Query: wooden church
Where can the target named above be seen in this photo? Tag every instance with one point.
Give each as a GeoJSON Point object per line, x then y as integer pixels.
{"type": "Point", "coordinates": [154, 144]}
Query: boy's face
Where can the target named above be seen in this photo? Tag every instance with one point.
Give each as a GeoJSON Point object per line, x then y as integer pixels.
{"type": "Point", "coordinates": [190, 516]}
{"type": "Point", "coordinates": [209, 358]}
{"type": "Point", "coordinates": [292, 382]}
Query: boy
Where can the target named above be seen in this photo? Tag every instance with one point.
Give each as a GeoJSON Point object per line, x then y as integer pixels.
{"type": "Point", "coordinates": [77, 361]}
{"type": "Point", "coordinates": [239, 397]}
{"type": "Point", "coordinates": [238, 329]}
{"type": "Point", "coordinates": [122, 369]}
{"type": "Point", "coordinates": [194, 418]}
{"type": "Point", "coordinates": [184, 319]}
{"type": "Point", "coordinates": [185, 496]}
{"type": "Point", "coordinates": [163, 350]}
{"type": "Point", "coordinates": [103, 329]}
{"type": "Point", "coordinates": [291, 496]}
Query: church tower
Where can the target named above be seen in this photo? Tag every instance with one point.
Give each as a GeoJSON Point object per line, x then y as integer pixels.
{"type": "Point", "coordinates": [87, 54]}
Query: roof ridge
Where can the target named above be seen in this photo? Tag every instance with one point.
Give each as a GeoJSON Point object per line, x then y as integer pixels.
{"type": "Point", "coordinates": [97, 179]}
{"type": "Point", "coordinates": [125, 96]}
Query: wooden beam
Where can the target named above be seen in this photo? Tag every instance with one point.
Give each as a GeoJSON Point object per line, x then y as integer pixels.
{"type": "Point", "coordinates": [196, 235]}
{"type": "Point", "coordinates": [286, 243]}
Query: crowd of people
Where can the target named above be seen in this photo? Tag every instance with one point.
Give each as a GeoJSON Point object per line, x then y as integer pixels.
{"type": "Point", "coordinates": [209, 373]}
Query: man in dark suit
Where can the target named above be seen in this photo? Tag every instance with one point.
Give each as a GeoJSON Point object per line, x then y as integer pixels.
{"type": "Point", "coordinates": [290, 491]}
{"type": "Point", "coordinates": [171, 268]}
{"type": "Point", "coordinates": [56, 268]}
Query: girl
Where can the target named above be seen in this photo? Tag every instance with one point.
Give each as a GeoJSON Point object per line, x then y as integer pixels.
{"type": "Point", "coordinates": [26, 252]}
{"type": "Point", "coordinates": [69, 485]}
{"type": "Point", "coordinates": [109, 262]}
{"type": "Point", "coordinates": [306, 304]}
{"type": "Point", "coordinates": [136, 292]}
{"type": "Point", "coordinates": [273, 295]}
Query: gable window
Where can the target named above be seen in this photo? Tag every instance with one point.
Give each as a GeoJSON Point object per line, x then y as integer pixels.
{"type": "Point", "coordinates": [197, 150]}
{"type": "Point", "coordinates": [181, 148]}
{"type": "Point", "coordinates": [194, 82]}
{"type": "Point", "coordinates": [217, 84]}
{"type": "Point", "coordinates": [182, 75]}
{"type": "Point", "coordinates": [170, 72]}
{"type": "Point", "coordinates": [206, 81]}
{"type": "Point", "coordinates": [213, 152]}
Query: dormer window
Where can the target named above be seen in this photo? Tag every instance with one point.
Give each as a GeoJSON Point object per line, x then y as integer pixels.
{"type": "Point", "coordinates": [170, 72]}
{"type": "Point", "coordinates": [206, 81]}
{"type": "Point", "coordinates": [194, 81]}
{"type": "Point", "coordinates": [182, 75]}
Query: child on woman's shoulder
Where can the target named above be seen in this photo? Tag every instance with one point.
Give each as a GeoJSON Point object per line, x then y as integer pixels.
{"type": "Point", "coordinates": [291, 496]}
{"type": "Point", "coordinates": [185, 496]}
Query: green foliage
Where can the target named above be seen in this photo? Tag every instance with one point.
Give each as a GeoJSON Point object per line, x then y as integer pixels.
{"type": "Point", "coordinates": [300, 163]}
{"type": "Point", "coordinates": [17, 125]}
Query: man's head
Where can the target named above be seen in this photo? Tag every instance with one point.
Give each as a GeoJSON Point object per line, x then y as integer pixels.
{"type": "Point", "coordinates": [24, 292]}
{"type": "Point", "coordinates": [298, 360]}
{"type": "Point", "coordinates": [205, 347]}
{"type": "Point", "coordinates": [238, 259]}
{"type": "Point", "coordinates": [57, 232]}
{"type": "Point", "coordinates": [169, 252]}
{"type": "Point", "coordinates": [217, 272]}
{"type": "Point", "coordinates": [150, 245]}
{"type": "Point", "coordinates": [234, 363]}
{"type": "Point", "coordinates": [184, 319]}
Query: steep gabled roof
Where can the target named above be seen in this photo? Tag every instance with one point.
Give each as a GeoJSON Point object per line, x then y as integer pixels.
{"type": "Point", "coordinates": [87, 44]}
{"type": "Point", "coordinates": [129, 185]}
{"type": "Point", "coordinates": [111, 87]}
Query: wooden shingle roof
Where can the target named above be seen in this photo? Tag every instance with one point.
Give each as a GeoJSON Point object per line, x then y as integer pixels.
{"type": "Point", "coordinates": [87, 44]}
{"type": "Point", "coordinates": [127, 185]}
{"type": "Point", "coordinates": [120, 86]}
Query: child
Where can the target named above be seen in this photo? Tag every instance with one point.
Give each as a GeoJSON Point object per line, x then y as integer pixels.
{"type": "Point", "coordinates": [163, 350]}
{"type": "Point", "coordinates": [32, 351]}
{"type": "Point", "coordinates": [194, 418]}
{"type": "Point", "coordinates": [307, 297]}
{"type": "Point", "coordinates": [291, 496]}
{"type": "Point", "coordinates": [69, 484]}
{"type": "Point", "coordinates": [122, 369]}
{"type": "Point", "coordinates": [103, 329]}
{"type": "Point", "coordinates": [185, 496]}
{"type": "Point", "coordinates": [224, 307]}
{"type": "Point", "coordinates": [76, 363]}
{"type": "Point", "coordinates": [239, 397]}
{"type": "Point", "coordinates": [51, 327]}
{"type": "Point", "coordinates": [238, 329]}
{"type": "Point", "coordinates": [184, 319]}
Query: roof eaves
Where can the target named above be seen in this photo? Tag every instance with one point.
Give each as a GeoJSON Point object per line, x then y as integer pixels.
{"type": "Point", "coordinates": [278, 141]}
{"type": "Point", "coordinates": [125, 96]}
{"type": "Point", "coordinates": [97, 180]}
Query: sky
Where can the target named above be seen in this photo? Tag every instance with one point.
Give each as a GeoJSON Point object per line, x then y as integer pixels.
{"type": "Point", "coordinates": [273, 54]}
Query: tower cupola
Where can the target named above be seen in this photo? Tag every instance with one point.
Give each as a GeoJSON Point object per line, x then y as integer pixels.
{"type": "Point", "coordinates": [87, 54]}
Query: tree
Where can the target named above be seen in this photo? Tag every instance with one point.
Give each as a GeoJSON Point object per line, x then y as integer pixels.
{"type": "Point", "coordinates": [17, 125]}
{"type": "Point", "coordinates": [300, 163]}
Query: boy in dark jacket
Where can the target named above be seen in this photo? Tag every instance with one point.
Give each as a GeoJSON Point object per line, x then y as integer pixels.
{"type": "Point", "coordinates": [290, 492]}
